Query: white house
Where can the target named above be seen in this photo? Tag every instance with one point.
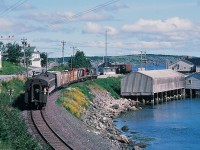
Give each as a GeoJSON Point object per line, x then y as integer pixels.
{"type": "Point", "coordinates": [186, 65]}
{"type": "Point", "coordinates": [35, 60]}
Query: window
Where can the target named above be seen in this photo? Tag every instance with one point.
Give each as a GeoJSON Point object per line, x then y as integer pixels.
{"type": "Point", "coordinates": [190, 82]}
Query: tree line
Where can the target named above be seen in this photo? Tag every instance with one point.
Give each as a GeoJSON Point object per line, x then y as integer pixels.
{"type": "Point", "coordinates": [14, 53]}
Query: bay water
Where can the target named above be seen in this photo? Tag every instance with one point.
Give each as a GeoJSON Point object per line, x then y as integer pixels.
{"type": "Point", "coordinates": [174, 125]}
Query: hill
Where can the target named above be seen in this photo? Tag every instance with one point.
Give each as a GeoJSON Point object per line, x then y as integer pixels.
{"type": "Point", "coordinates": [131, 59]}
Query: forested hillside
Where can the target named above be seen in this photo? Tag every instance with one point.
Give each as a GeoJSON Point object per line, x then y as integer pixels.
{"type": "Point", "coordinates": [132, 59]}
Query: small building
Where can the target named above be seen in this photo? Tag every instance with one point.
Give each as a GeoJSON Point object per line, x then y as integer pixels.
{"type": "Point", "coordinates": [192, 84]}
{"type": "Point", "coordinates": [109, 70]}
{"type": "Point", "coordinates": [187, 65]}
{"type": "Point", "coordinates": [35, 60]}
{"type": "Point", "coordinates": [153, 83]}
{"type": "Point", "coordinates": [122, 68]}
{"type": "Point", "coordinates": [106, 69]}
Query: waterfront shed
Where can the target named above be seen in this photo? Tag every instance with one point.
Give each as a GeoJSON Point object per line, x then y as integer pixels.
{"type": "Point", "coordinates": [147, 83]}
{"type": "Point", "coordinates": [193, 81]}
{"type": "Point", "coordinates": [186, 65]}
{"type": "Point", "coordinates": [192, 84]}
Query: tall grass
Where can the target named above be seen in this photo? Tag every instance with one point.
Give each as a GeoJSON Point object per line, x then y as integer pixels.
{"type": "Point", "coordinates": [112, 85]}
{"type": "Point", "coordinates": [13, 130]}
{"type": "Point", "coordinates": [77, 98]}
{"type": "Point", "coordinates": [75, 101]}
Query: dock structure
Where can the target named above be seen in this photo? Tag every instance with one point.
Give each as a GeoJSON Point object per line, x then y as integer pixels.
{"type": "Point", "coordinates": [153, 85]}
{"type": "Point", "coordinates": [193, 84]}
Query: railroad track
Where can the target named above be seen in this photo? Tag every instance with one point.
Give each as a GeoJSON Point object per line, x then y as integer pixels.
{"type": "Point", "coordinates": [46, 132]}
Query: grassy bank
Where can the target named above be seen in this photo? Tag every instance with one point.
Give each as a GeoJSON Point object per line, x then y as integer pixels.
{"type": "Point", "coordinates": [13, 131]}
{"type": "Point", "coordinates": [9, 68]}
{"type": "Point", "coordinates": [77, 98]}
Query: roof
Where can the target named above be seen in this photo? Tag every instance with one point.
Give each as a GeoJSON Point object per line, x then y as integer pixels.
{"type": "Point", "coordinates": [194, 60]}
{"type": "Point", "coordinates": [31, 49]}
{"type": "Point", "coordinates": [36, 59]}
{"type": "Point", "coordinates": [195, 75]}
{"type": "Point", "coordinates": [161, 73]}
{"type": "Point", "coordinates": [186, 61]}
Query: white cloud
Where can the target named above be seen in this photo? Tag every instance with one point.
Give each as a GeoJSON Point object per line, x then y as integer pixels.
{"type": "Point", "coordinates": [94, 28]}
{"type": "Point", "coordinates": [168, 25]}
{"type": "Point", "coordinates": [170, 29]}
{"type": "Point", "coordinates": [65, 17]}
{"type": "Point", "coordinates": [13, 26]}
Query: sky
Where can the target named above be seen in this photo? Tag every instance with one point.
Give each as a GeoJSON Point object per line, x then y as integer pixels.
{"type": "Point", "coordinates": [170, 27]}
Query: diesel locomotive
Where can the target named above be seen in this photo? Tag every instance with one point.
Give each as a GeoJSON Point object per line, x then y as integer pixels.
{"type": "Point", "coordinates": [39, 87]}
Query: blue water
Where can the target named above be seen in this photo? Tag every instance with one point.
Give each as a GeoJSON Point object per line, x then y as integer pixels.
{"type": "Point", "coordinates": [149, 67]}
{"type": "Point", "coordinates": [174, 126]}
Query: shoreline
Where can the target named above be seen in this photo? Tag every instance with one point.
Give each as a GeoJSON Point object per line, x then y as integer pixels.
{"type": "Point", "coordinates": [101, 114]}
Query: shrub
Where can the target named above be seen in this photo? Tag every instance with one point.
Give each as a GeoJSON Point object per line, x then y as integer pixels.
{"type": "Point", "coordinates": [13, 130]}
{"type": "Point", "coordinates": [75, 101]}
{"type": "Point", "coordinates": [10, 68]}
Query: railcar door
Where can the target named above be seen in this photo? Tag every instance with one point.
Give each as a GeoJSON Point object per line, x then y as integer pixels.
{"type": "Point", "coordinates": [36, 90]}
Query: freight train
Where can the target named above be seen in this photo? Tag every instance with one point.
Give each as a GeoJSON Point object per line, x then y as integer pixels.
{"type": "Point", "coordinates": [39, 87]}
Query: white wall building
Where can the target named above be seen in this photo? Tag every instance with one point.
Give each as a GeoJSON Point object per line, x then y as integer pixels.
{"type": "Point", "coordinates": [35, 60]}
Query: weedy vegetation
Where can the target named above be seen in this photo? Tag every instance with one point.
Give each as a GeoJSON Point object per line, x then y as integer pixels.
{"type": "Point", "coordinates": [78, 97]}
{"type": "Point", "coordinates": [10, 68]}
{"type": "Point", "coordinates": [13, 130]}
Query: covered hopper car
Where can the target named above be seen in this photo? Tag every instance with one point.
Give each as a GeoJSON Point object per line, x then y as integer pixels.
{"type": "Point", "coordinates": [38, 88]}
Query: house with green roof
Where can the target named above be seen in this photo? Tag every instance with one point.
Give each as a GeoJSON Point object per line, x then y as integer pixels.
{"type": "Point", "coordinates": [35, 60]}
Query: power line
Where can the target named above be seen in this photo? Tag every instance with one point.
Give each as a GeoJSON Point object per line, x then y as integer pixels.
{"type": "Point", "coordinates": [11, 8]}
{"type": "Point", "coordinates": [69, 19]}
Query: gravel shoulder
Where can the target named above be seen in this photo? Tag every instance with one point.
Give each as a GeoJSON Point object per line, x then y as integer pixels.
{"type": "Point", "coordinates": [74, 131]}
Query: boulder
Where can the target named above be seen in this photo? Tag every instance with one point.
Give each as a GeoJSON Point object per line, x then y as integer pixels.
{"type": "Point", "coordinates": [125, 128]}
{"type": "Point", "coordinates": [123, 139]}
{"type": "Point", "coordinates": [115, 106]}
{"type": "Point", "coordinates": [142, 145]}
{"type": "Point", "coordinates": [137, 148]}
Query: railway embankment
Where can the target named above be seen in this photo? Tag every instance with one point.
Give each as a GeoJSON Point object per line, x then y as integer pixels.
{"type": "Point", "coordinates": [104, 106]}
{"type": "Point", "coordinates": [101, 114]}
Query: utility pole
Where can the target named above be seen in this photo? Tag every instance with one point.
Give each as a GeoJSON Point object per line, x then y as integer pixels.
{"type": "Point", "coordinates": [63, 46]}
{"type": "Point", "coordinates": [106, 44]}
{"type": "Point", "coordinates": [47, 62]}
{"type": "Point", "coordinates": [24, 43]}
{"type": "Point", "coordinates": [74, 48]}
{"type": "Point", "coordinates": [143, 60]}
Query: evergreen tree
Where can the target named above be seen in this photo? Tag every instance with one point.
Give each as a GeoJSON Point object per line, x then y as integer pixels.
{"type": "Point", "coordinates": [79, 61]}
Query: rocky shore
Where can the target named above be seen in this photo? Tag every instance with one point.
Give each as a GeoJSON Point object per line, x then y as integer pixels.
{"type": "Point", "coordinates": [101, 114]}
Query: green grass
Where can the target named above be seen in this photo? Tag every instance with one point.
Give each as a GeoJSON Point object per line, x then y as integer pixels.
{"type": "Point", "coordinates": [84, 87]}
{"type": "Point", "coordinates": [13, 130]}
{"type": "Point", "coordinates": [9, 68]}
{"type": "Point", "coordinates": [73, 99]}
{"type": "Point", "coordinates": [112, 85]}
